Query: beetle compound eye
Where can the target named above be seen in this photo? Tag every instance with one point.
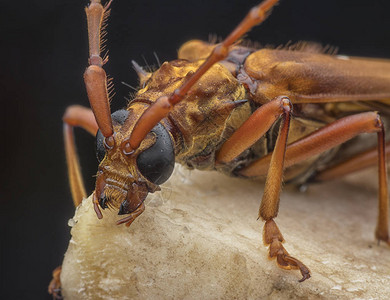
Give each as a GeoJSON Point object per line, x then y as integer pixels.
{"type": "Point", "coordinates": [118, 118]}
{"type": "Point", "coordinates": [100, 149]}
{"type": "Point", "coordinates": [157, 162]}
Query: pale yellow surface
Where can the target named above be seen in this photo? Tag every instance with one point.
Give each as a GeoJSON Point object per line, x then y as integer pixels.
{"type": "Point", "coordinates": [199, 239]}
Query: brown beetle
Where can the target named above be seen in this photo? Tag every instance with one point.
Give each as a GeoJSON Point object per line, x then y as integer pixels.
{"type": "Point", "coordinates": [243, 111]}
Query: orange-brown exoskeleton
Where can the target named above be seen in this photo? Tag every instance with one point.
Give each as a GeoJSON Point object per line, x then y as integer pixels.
{"type": "Point", "coordinates": [247, 112]}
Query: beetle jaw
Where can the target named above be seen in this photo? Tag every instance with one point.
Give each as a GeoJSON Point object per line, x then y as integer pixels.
{"type": "Point", "coordinates": [123, 192]}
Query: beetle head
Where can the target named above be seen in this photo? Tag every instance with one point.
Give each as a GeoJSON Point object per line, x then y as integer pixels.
{"type": "Point", "coordinates": [126, 176]}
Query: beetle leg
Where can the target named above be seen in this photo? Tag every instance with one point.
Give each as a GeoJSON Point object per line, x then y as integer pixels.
{"type": "Point", "coordinates": [83, 117]}
{"type": "Point", "coordinates": [382, 226]}
{"type": "Point", "coordinates": [75, 115]}
{"type": "Point", "coordinates": [328, 137]}
{"type": "Point", "coordinates": [360, 162]}
{"type": "Point", "coordinates": [319, 141]}
{"type": "Point", "coordinates": [252, 129]}
{"type": "Point", "coordinates": [354, 164]}
{"type": "Point", "coordinates": [269, 206]}
{"type": "Point", "coordinates": [244, 137]}
{"type": "Point", "coordinates": [273, 237]}
{"type": "Point", "coordinates": [54, 288]}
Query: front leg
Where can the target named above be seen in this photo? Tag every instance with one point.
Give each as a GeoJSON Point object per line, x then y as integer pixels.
{"type": "Point", "coordinates": [253, 129]}
{"type": "Point", "coordinates": [269, 206]}
{"type": "Point", "coordinates": [75, 116]}
{"type": "Point", "coordinates": [273, 237]}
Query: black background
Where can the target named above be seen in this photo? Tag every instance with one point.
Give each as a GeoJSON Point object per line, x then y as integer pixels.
{"type": "Point", "coordinates": [43, 56]}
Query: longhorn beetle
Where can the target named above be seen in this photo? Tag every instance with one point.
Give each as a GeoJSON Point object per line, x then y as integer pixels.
{"type": "Point", "coordinates": [284, 113]}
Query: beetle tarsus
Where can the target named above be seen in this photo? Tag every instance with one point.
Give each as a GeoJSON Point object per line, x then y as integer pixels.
{"type": "Point", "coordinates": [302, 268]}
{"type": "Point", "coordinates": [54, 288]}
{"type": "Point", "coordinates": [384, 238]}
{"type": "Point", "coordinates": [304, 276]}
{"type": "Point", "coordinates": [273, 237]}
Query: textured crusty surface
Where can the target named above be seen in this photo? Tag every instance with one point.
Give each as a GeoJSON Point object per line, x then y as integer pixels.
{"type": "Point", "coordinates": [199, 239]}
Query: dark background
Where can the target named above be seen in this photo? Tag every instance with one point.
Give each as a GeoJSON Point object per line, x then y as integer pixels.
{"type": "Point", "coordinates": [43, 56]}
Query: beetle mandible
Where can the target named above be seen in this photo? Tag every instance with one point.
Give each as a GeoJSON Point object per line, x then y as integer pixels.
{"type": "Point", "coordinates": [233, 108]}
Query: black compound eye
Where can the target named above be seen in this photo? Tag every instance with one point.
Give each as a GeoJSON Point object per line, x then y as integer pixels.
{"type": "Point", "coordinates": [157, 162]}
{"type": "Point", "coordinates": [118, 118]}
{"type": "Point", "coordinates": [100, 150]}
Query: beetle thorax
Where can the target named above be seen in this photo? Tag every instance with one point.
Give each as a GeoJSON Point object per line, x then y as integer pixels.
{"type": "Point", "coordinates": [205, 114]}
